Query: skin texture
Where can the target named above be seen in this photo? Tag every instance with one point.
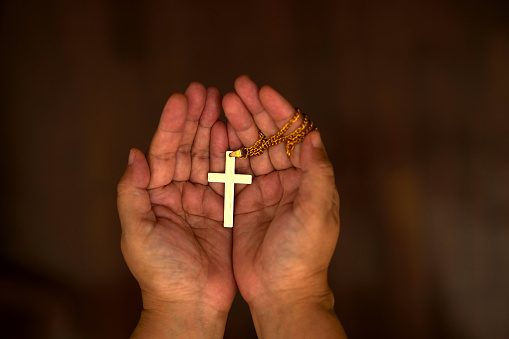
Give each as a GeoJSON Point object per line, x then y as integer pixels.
{"type": "Point", "coordinates": [286, 223]}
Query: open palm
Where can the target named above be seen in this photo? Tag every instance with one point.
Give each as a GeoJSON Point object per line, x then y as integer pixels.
{"type": "Point", "coordinates": [173, 238]}
{"type": "Point", "coordinates": [286, 223]}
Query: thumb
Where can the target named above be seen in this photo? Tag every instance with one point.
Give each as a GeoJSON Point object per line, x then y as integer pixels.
{"type": "Point", "coordinates": [133, 201]}
{"type": "Point", "coordinates": [317, 196]}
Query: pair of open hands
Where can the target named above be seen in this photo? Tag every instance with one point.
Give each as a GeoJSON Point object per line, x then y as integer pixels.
{"type": "Point", "coordinates": [286, 223]}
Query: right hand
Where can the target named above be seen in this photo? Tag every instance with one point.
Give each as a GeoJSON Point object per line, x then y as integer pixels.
{"type": "Point", "coordinates": [173, 238]}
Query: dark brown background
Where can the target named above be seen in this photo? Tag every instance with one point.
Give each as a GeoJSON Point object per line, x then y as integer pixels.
{"type": "Point", "coordinates": [412, 98]}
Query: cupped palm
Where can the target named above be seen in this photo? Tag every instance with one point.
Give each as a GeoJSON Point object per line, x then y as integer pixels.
{"type": "Point", "coordinates": [185, 254]}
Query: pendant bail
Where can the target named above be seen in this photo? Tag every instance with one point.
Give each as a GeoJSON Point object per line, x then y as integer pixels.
{"type": "Point", "coordinates": [240, 153]}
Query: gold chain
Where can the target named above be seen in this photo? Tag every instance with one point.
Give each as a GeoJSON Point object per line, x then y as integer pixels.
{"type": "Point", "coordinates": [291, 139]}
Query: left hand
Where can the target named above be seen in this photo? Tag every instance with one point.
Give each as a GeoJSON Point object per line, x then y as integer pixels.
{"type": "Point", "coordinates": [286, 222]}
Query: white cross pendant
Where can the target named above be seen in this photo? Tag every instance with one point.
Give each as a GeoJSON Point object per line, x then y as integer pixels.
{"type": "Point", "coordinates": [230, 179]}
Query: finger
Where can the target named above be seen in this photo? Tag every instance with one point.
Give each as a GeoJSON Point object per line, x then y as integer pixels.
{"type": "Point", "coordinates": [249, 93]}
{"type": "Point", "coordinates": [132, 196]}
{"type": "Point", "coordinates": [281, 112]}
{"type": "Point", "coordinates": [200, 153]}
{"type": "Point", "coordinates": [218, 148]}
{"type": "Point", "coordinates": [242, 166]}
{"type": "Point", "coordinates": [233, 139]}
{"type": "Point", "coordinates": [196, 95]}
{"type": "Point", "coordinates": [317, 197]}
{"type": "Point", "coordinates": [247, 90]}
{"type": "Point", "coordinates": [247, 131]}
{"type": "Point", "coordinates": [162, 151]}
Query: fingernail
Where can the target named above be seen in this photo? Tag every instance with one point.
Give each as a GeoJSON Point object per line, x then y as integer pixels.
{"type": "Point", "coordinates": [316, 140]}
{"type": "Point", "coordinates": [131, 157]}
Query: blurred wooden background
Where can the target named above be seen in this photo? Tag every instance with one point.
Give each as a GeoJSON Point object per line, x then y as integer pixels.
{"type": "Point", "coordinates": [412, 98]}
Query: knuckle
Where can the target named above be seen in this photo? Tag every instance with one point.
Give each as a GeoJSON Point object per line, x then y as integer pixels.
{"type": "Point", "coordinates": [336, 198]}
{"type": "Point", "coordinates": [184, 148]}
{"type": "Point", "coordinates": [327, 169]}
{"type": "Point", "coordinates": [166, 156]}
{"type": "Point", "coordinates": [200, 154]}
{"type": "Point", "coordinates": [122, 186]}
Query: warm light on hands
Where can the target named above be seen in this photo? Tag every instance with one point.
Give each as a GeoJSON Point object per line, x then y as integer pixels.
{"type": "Point", "coordinates": [286, 223]}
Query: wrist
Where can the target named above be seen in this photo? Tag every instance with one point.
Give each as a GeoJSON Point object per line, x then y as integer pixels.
{"type": "Point", "coordinates": [296, 314]}
{"type": "Point", "coordinates": [295, 290]}
{"type": "Point", "coordinates": [186, 319]}
{"type": "Point", "coordinates": [274, 305]}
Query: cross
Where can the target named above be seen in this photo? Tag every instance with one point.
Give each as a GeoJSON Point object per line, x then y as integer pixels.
{"type": "Point", "coordinates": [229, 178]}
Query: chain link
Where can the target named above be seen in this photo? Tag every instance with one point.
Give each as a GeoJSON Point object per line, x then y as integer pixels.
{"type": "Point", "coordinates": [291, 139]}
